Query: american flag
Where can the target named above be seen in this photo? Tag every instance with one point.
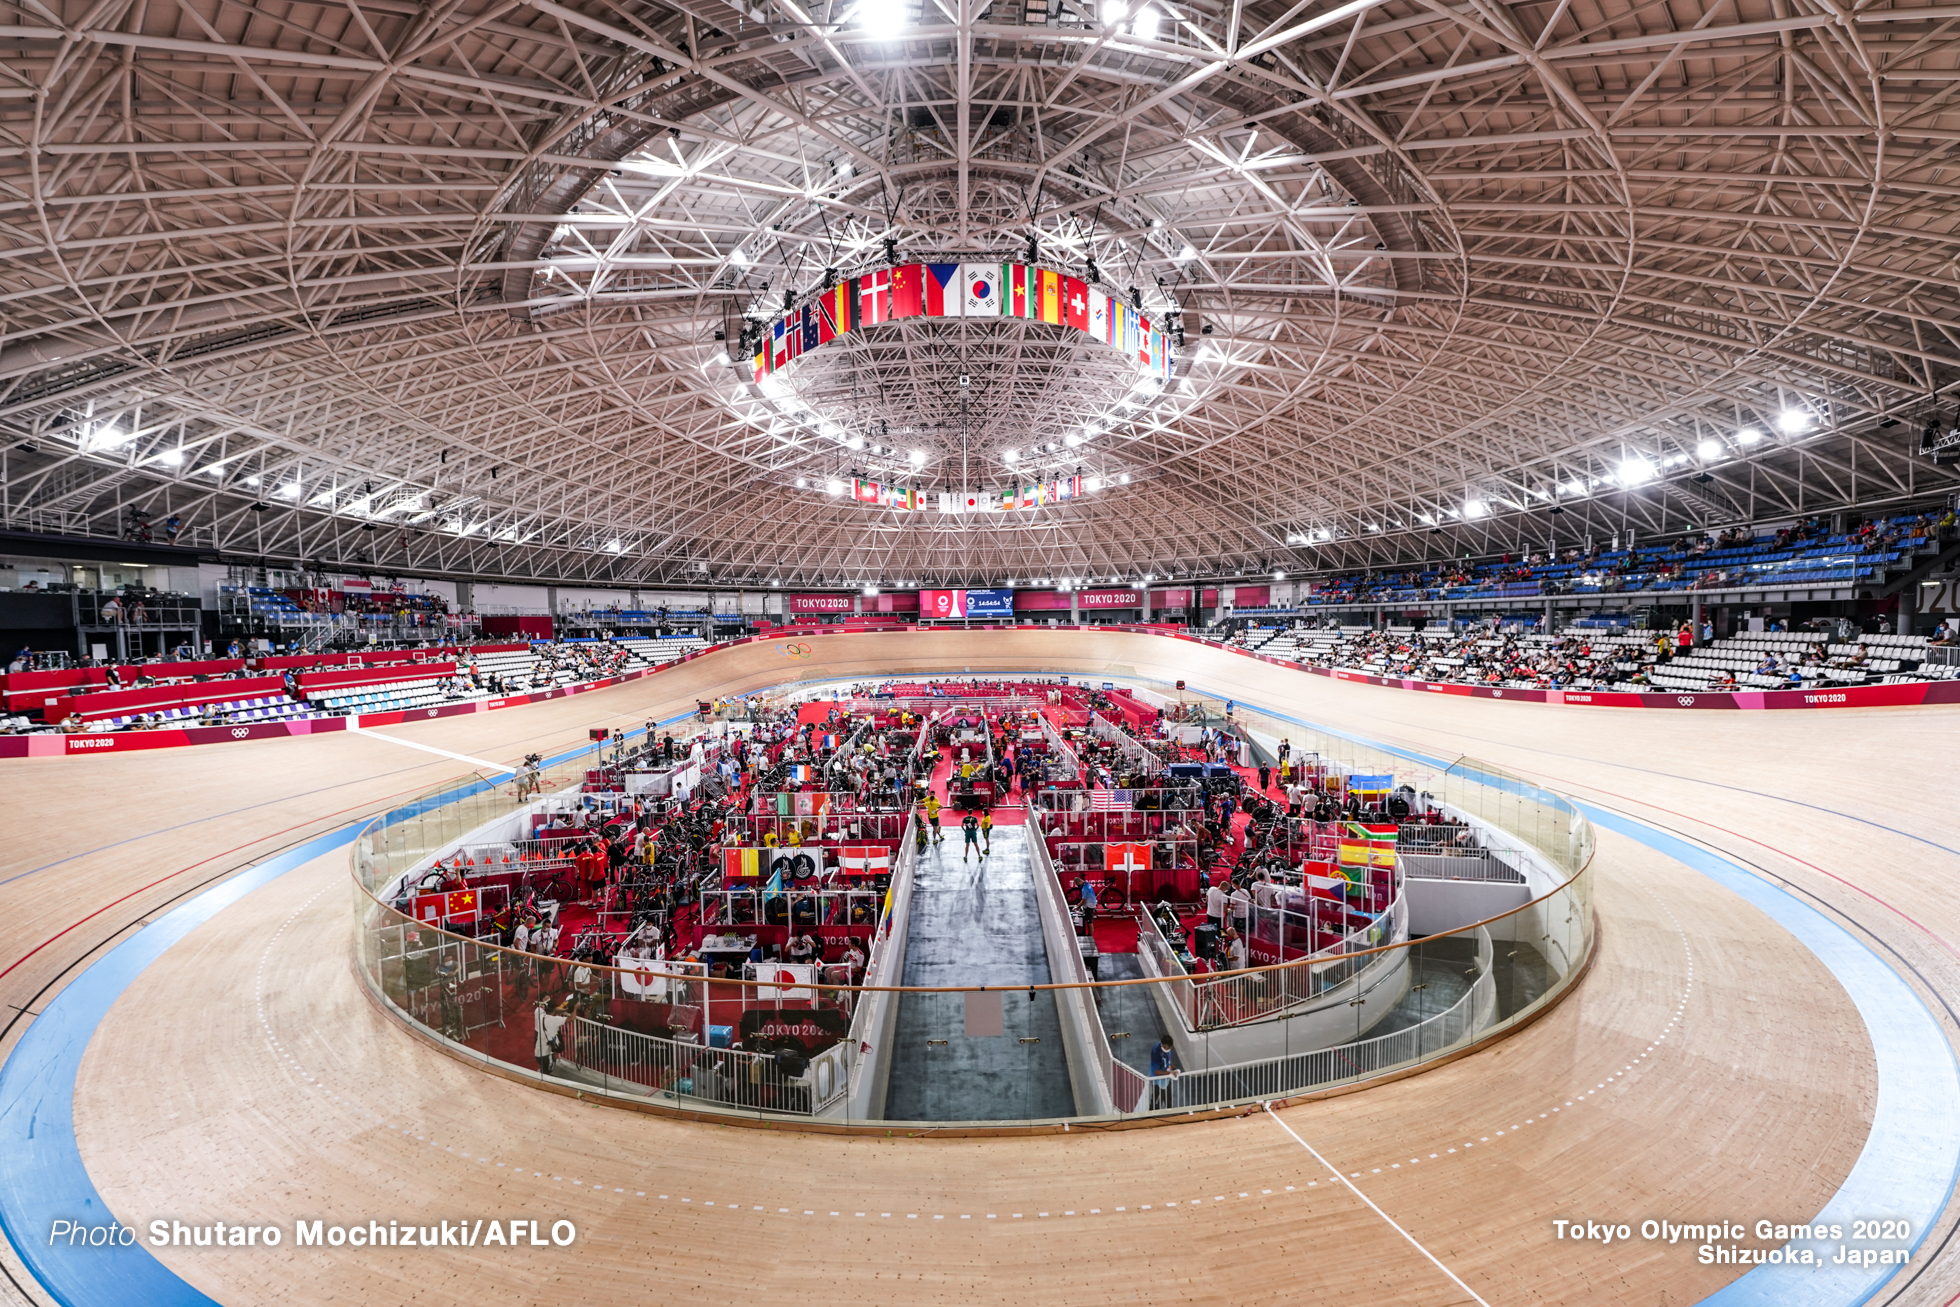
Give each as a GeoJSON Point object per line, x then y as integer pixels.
{"type": "Point", "coordinates": [1109, 801]}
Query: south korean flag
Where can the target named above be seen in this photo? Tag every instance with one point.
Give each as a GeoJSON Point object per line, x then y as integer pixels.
{"type": "Point", "coordinates": [980, 290]}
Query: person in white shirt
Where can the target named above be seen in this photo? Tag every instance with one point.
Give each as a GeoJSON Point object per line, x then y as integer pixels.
{"type": "Point", "coordinates": [548, 1026]}
{"type": "Point", "coordinates": [1215, 905]}
{"type": "Point", "coordinates": [1264, 892]}
{"type": "Point", "coordinates": [1241, 905]}
{"type": "Point", "coordinates": [1234, 951]}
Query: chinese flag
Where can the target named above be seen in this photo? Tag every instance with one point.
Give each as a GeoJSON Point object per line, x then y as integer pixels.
{"type": "Point", "coordinates": [908, 291]}
{"type": "Point", "coordinates": [462, 905]}
{"type": "Point", "coordinates": [1075, 303]}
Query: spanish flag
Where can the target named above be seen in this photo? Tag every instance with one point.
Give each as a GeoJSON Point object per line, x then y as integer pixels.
{"type": "Point", "coordinates": [1051, 297]}
{"type": "Point", "coordinates": [741, 863]}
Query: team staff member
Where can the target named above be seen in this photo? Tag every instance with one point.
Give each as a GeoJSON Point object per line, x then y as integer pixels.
{"type": "Point", "coordinates": [932, 818]}
{"type": "Point", "coordinates": [1163, 1070]}
{"type": "Point", "coordinates": [970, 824]}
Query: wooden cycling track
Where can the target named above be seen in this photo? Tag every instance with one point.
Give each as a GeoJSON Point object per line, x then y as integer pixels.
{"type": "Point", "coordinates": [245, 1076]}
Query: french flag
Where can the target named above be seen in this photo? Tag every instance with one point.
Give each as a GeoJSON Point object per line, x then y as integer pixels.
{"type": "Point", "coordinates": [942, 290]}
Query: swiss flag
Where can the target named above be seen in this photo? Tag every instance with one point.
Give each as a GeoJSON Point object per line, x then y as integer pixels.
{"type": "Point", "coordinates": [875, 297]}
{"type": "Point", "coordinates": [1075, 303]}
{"type": "Point", "coordinates": [1126, 857]}
{"type": "Point", "coordinates": [942, 285]}
{"type": "Point", "coordinates": [908, 291]}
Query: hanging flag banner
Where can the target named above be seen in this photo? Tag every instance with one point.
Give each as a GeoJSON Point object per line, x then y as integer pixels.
{"type": "Point", "coordinates": [942, 290]}
{"type": "Point", "coordinates": [981, 290]}
{"type": "Point", "coordinates": [962, 290]}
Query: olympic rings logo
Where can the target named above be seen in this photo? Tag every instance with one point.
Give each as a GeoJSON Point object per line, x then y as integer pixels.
{"type": "Point", "coordinates": [796, 650]}
{"type": "Point", "coordinates": [240, 732]}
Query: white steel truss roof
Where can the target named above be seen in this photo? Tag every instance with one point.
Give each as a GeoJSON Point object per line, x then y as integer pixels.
{"type": "Point", "coordinates": [440, 285]}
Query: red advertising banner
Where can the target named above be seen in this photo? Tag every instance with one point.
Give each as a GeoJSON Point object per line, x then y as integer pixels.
{"type": "Point", "coordinates": [1063, 600]}
{"type": "Point", "coordinates": [820, 603]}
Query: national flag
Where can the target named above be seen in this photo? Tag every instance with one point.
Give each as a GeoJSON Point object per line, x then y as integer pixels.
{"type": "Point", "coordinates": [787, 977]}
{"type": "Point", "coordinates": [793, 336]}
{"type": "Point", "coordinates": [761, 363]}
{"type": "Point", "coordinates": [741, 864]}
{"type": "Point", "coordinates": [981, 290]}
{"type": "Point", "coordinates": [779, 346]}
{"type": "Point", "coordinates": [865, 492]}
{"type": "Point", "coordinates": [1044, 494]}
{"type": "Point", "coordinates": [975, 501]}
{"type": "Point", "coordinates": [1021, 290]}
{"type": "Point", "coordinates": [1068, 488]}
{"type": "Point", "coordinates": [1354, 853]}
{"type": "Point", "coordinates": [429, 908]}
{"type": "Point", "coordinates": [874, 296]}
{"type": "Point", "coordinates": [1111, 800]}
{"type": "Point", "coordinates": [1143, 341]}
{"type": "Point", "coordinates": [1326, 887]}
{"type": "Point", "coordinates": [462, 905]}
{"type": "Point", "coordinates": [1126, 857]}
{"type": "Point", "coordinates": [865, 859]}
{"type": "Point", "coordinates": [1029, 496]}
{"type": "Point", "coordinates": [1007, 500]}
{"type": "Point", "coordinates": [1119, 316]}
{"type": "Point", "coordinates": [943, 297]}
{"type": "Point", "coordinates": [834, 312]}
{"type": "Point", "coordinates": [1051, 297]}
{"type": "Point", "coordinates": [907, 500]}
{"type": "Point", "coordinates": [908, 291]}
{"type": "Point", "coordinates": [811, 316]}
{"type": "Point", "coordinates": [829, 741]}
{"type": "Point", "coordinates": [647, 978]}
{"type": "Point", "coordinates": [809, 804]}
{"type": "Point", "coordinates": [1075, 303]}
{"type": "Point", "coordinates": [1099, 314]}
{"type": "Point", "coordinates": [802, 773]}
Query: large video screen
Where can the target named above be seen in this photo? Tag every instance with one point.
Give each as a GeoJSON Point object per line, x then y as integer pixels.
{"type": "Point", "coordinates": [951, 605]}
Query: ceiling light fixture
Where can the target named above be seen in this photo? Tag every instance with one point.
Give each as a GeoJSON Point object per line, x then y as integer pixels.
{"type": "Point", "coordinates": [1793, 422]}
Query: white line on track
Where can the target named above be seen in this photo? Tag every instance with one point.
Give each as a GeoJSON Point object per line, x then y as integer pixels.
{"type": "Point", "coordinates": [1377, 1211]}
{"type": "Point", "coordinates": [495, 767]}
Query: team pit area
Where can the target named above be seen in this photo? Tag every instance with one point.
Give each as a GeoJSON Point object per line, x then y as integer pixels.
{"type": "Point", "coordinates": [967, 901]}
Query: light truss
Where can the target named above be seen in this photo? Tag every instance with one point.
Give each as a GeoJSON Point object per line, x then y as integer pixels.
{"type": "Point", "coordinates": [455, 287]}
